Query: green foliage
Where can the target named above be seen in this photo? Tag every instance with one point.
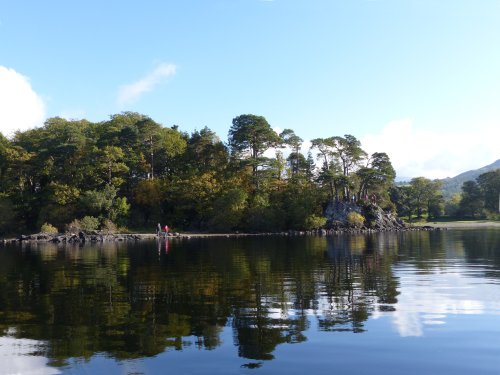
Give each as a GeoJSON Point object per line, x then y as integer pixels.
{"type": "Point", "coordinates": [205, 152]}
{"type": "Point", "coordinates": [489, 183]}
{"type": "Point", "coordinates": [228, 210]}
{"type": "Point", "coordinates": [48, 228]}
{"type": "Point", "coordinates": [314, 222]}
{"type": "Point", "coordinates": [105, 204]}
{"type": "Point", "coordinates": [421, 196]}
{"type": "Point", "coordinates": [110, 168]}
{"type": "Point", "coordinates": [299, 200]}
{"type": "Point", "coordinates": [262, 216]}
{"type": "Point", "coordinates": [494, 216]}
{"type": "Point", "coordinates": [89, 223]}
{"type": "Point", "coordinates": [480, 197]}
{"type": "Point", "coordinates": [252, 135]}
{"type": "Point", "coordinates": [376, 178]}
{"type": "Point", "coordinates": [131, 170]}
{"type": "Point", "coordinates": [472, 202]}
{"type": "Point", "coordinates": [355, 219]}
{"type": "Point", "coordinates": [452, 205]}
{"type": "Point", "coordinates": [8, 216]}
{"type": "Point", "coordinates": [403, 199]}
{"type": "Point", "coordinates": [98, 202]}
{"type": "Point", "coordinates": [119, 210]}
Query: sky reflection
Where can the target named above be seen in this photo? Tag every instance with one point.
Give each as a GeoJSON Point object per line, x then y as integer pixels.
{"type": "Point", "coordinates": [428, 299]}
{"type": "Point", "coordinates": [17, 356]}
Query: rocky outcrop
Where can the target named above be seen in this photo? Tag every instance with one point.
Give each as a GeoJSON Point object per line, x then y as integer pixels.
{"type": "Point", "coordinates": [374, 217]}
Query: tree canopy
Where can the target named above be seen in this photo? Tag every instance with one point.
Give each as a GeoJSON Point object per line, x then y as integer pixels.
{"type": "Point", "coordinates": [136, 172]}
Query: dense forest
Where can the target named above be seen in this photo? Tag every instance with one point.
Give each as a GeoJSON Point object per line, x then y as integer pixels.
{"type": "Point", "coordinates": [132, 172]}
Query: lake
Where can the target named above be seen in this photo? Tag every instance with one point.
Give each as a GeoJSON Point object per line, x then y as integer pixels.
{"type": "Point", "coordinates": [387, 303]}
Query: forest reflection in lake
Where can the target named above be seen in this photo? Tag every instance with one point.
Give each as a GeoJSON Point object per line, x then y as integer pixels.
{"type": "Point", "coordinates": [415, 302]}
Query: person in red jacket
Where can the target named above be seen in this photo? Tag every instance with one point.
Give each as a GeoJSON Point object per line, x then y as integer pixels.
{"type": "Point", "coordinates": [166, 230]}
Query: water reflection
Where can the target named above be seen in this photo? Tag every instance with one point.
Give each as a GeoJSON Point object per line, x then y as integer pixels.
{"type": "Point", "coordinates": [23, 356]}
{"type": "Point", "coordinates": [135, 301]}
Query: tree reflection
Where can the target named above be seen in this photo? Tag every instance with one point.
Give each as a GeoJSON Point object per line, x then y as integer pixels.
{"type": "Point", "coordinates": [141, 300]}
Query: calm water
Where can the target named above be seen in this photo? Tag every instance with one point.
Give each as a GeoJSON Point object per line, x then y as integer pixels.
{"type": "Point", "coordinates": [411, 303]}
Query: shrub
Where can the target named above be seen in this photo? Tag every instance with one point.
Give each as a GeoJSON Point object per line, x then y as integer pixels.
{"type": "Point", "coordinates": [89, 223]}
{"type": "Point", "coordinates": [48, 228]}
{"type": "Point", "coordinates": [109, 227]}
{"type": "Point", "coordinates": [86, 223]}
{"type": "Point", "coordinates": [73, 227]}
{"type": "Point", "coordinates": [314, 222]}
{"type": "Point", "coordinates": [495, 216]}
{"type": "Point", "coordinates": [355, 219]}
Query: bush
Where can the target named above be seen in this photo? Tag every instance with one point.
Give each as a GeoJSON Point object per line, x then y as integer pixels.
{"type": "Point", "coordinates": [48, 228]}
{"type": "Point", "coordinates": [74, 227]}
{"type": "Point", "coordinates": [109, 227]}
{"type": "Point", "coordinates": [87, 223]}
{"type": "Point", "coordinates": [495, 216]}
{"type": "Point", "coordinates": [355, 219]}
{"type": "Point", "coordinates": [314, 222]}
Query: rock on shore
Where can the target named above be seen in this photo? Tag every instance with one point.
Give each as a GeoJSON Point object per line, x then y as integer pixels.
{"type": "Point", "coordinates": [85, 237]}
{"type": "Point", "coordinates": [375, 218]}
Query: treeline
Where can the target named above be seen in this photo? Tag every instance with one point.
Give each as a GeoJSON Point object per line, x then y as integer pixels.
{"type": "Point", "coordinates": [133, 172]}
{"type": "Point", "coordinates": [421, 197]}
{"type": "Point", "coordinates": [479, 199]}
{"type": "Point", "coordinates": [418, 198]}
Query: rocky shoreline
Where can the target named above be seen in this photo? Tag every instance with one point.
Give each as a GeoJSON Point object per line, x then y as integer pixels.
{"type": "Point", "coordinates": [82, 237]}
{"type": "Point", "coordinates": [375, 220]}
{"type": "Point", "coordinates": [98, 237]}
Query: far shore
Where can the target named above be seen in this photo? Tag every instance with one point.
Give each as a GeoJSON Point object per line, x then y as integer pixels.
{"type": "Point", "coordinates": [472, 224]}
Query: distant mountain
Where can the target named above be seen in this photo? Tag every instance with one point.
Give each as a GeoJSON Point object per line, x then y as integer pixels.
{"type": "Point", "coordinates": [454, 184]}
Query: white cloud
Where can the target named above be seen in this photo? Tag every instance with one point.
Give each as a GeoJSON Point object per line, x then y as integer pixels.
{"type": "Point", "coordinates": [21, 108]}
{"type": "Point", "coordinates": [132, 92]}
{"type": "Point", "coordinates": [433, 153]}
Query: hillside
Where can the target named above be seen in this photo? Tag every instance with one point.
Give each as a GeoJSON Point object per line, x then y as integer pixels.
{"type": "Point", "coordinates": [452, 185]}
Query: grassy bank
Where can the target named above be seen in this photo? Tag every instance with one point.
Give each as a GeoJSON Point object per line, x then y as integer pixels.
{"type": "Point", "coordinates": [460, 224]}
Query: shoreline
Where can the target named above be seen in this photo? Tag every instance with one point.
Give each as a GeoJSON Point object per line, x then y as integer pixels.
{"type": "Point", "coordinates": [460, 224]}
{"type": "Point", "coordinates": [97, 237]}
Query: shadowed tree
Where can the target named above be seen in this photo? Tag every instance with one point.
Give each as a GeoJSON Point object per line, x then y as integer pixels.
{"type": "Point", "coordinates": [377, 176]}
{"type": "Point", "coordinates": [489, 183]}
{"type": "Point", "coordinates": [472, 202]}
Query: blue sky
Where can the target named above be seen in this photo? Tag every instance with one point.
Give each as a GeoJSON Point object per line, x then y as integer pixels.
{"type": "Point", "coordinates": [417, 79]}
